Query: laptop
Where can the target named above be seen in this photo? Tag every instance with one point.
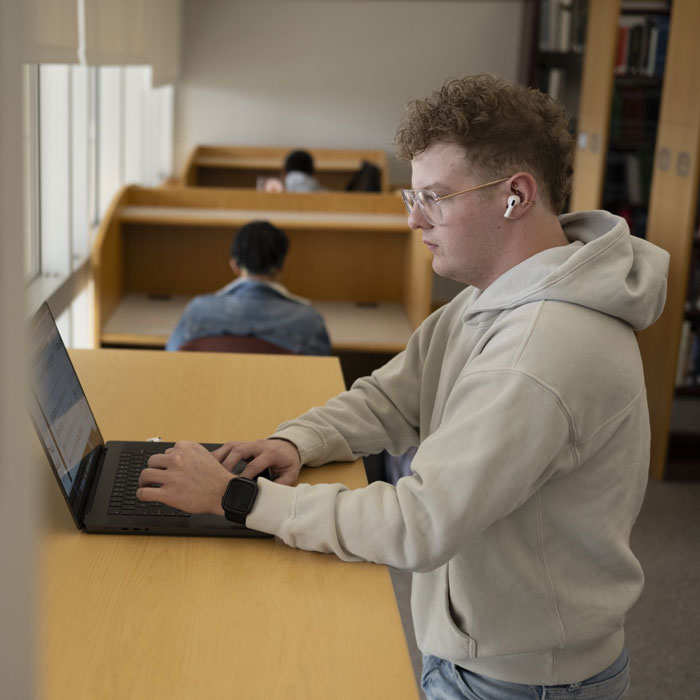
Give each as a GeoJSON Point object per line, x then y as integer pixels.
{"type": "Point", "coordinates": [98, 480]}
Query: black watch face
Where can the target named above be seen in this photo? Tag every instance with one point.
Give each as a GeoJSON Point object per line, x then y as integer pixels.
{"type": "Point", "coordinates": [240, 496]}
{"type": "Point", "coordinates": [238, 499]}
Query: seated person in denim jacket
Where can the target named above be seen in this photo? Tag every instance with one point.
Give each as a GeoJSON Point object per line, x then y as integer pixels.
{"type": "Point", "coordinates": [255, 304]}
{"type": "Point", "coordinates": [299, 173]}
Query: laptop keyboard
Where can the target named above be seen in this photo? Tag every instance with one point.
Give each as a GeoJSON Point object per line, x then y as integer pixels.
{"type": "Point", "coordinates": [123, 499]}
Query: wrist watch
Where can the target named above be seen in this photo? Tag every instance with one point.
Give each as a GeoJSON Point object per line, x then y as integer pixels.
{"type": "Point", "coordinates": [239, 498]}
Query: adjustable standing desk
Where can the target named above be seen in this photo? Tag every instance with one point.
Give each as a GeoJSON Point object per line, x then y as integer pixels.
{"type": "Point", "coordinates": [181, 618]}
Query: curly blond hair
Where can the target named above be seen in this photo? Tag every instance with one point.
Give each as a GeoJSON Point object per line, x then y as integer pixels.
{"type": "Point", "coordinates": [502, 128]}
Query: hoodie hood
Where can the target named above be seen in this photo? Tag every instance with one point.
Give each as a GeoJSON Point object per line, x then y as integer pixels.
{"type": "Point", "coordinates": [603, 268]}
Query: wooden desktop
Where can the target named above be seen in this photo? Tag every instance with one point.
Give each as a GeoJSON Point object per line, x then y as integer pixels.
{"type": "Point", "coordinates": [240, 166]}
{"type": "Point", "coordinates": [180, 618]}
{"type": "Point", "coordinates": [352, 255]}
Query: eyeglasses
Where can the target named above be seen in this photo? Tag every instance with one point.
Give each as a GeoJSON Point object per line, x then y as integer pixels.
{"type": "Point", "coordinates": [429, 203]}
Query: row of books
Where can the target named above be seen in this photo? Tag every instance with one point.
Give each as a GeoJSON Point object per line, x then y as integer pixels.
{"type": "Point", "coordinates": [552, 81]}
{"type": "Point", "coordinates": [628, 176]}
{"type": "Point", "coordinates": [634, 115]}
{"type": "Point", "coordinates": [688, 367]}
{"type": "Point", "coordinates": [635, 216]}
{"type": "Point", "coordinates": [562, 25]}
{"type": "Point", "coordinates": [641, 45]}
{"type": "Point", "coordinates": [692, 305]}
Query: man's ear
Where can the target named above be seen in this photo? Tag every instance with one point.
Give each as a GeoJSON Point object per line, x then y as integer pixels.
{"type": "Point", "coordinates": [524, 186]}
{"type": "Point", "coordinates": [234, 266]}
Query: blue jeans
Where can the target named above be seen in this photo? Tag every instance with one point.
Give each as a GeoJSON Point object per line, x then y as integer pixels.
{"type": "Point", "coordinates": [442, 680]}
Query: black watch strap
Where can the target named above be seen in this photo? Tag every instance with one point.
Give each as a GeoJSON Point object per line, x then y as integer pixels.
{"type": "Point", "coordinates": [239, 498]}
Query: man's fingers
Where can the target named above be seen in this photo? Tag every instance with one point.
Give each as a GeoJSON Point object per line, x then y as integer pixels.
{"type": "Point", "coordinates": [258, 465]}
{"type": "Point", "coordinates": [236, 455]}
{"type": "Point", "coordinates": [160, 460]}
{"type": "Point", "coordinates": [221, 452]}
{"type": "Point", "coordinates": [228, 456]}
{"type": "Point", "coordinates": [286, 479]}
{"type": "Point", "coordinates": [149, 476]}
{"type": "Point", "coordinates": [148, 494]}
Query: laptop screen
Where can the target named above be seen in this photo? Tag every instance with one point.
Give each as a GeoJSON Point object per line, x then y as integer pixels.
{"type": "Point", "coordinates": [59, 409]}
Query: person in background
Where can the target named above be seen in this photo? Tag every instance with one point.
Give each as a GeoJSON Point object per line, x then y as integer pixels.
{"type": "Point", "coordinates": [524, 397]}
{"type": "Point", "coordinates": [255, 304]}
{"type": "Point", "coordinates": [299, 173]}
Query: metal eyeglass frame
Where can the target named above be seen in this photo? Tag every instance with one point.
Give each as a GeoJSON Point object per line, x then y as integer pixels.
{"type": "Point", "coordinates": [413, 197]}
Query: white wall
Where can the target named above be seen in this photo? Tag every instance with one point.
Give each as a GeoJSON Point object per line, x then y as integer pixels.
{"type": "Point", "coordinates": [329, 73]}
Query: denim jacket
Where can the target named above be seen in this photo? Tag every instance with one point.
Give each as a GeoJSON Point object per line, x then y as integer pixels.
{"type": "Point", "coordinates": [265, 310]}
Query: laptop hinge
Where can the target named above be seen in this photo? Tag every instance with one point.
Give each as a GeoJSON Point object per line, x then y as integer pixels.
{"type": "Point", "coordinates": [86, 482]}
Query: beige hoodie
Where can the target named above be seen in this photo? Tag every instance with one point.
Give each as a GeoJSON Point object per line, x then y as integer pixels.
{"type": "Point", "coordinates": [528, 405]}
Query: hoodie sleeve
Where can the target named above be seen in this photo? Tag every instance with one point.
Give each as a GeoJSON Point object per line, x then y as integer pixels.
{"type": "Point", "coordinates": [378, 412]}
{"type": "Point", "coordinates": [473, 470]}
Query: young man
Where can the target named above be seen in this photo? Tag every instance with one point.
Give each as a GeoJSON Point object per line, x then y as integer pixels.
{"type": "Point", "coordinates": [299, 173]}
{"type": "Point", "coordinates": [255, 304]}
{"type": "Point", "coordinates": [525, 396]}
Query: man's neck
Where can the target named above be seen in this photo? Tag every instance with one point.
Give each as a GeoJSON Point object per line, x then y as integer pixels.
{"type": "Point", "coordinates": [257, 277]}
{"type": "Point", "coordinates": [541, 233]}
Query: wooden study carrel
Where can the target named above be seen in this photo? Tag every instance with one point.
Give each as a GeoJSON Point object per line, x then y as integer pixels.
{"type": "Point", "coordinates": [351, 254]}
{"type": "Point", "coordinates": [240, 166]}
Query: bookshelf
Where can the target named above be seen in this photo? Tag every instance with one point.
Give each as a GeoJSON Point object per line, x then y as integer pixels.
{"type": "Point", "coordinates": [637, 150]}
{"type": "Point", "coordinates": [688, 365]}
{"type": "Point", "coordinates": [621, 86]}
{"type": "Point", "coordinates": [673, 225]}
{"type": "Point", "coordinates": [560, 26]}
{"type": "Point", "coordinates": [642, 39]}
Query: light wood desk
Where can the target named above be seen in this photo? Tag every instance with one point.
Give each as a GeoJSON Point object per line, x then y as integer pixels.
{"type": "Point", "coordinates": [353, 255]}
{"type": "Point", "coordinates": [181, 618]}
{"type": "Point", "coordinates": [240, 166]}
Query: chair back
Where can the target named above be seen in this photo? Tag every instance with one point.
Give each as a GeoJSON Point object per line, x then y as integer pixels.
{"type": "Point", "coordinates": [234, 343]}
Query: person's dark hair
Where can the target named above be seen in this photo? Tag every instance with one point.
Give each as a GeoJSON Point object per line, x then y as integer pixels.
{"type": "Point", "coordinates": [260, 248]}
{"type": "Point", "coordinates": [502, 128]}
{"type": "Point", "coordinates": [299, 160]}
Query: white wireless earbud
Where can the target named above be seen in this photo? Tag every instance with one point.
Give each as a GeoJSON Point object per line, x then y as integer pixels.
{"type": "Point", "coordinates": [513, 201]}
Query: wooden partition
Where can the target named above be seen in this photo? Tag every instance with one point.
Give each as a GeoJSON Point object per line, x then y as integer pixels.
{"type": "Point", "coordinates": [240, 166]}
{"type": "Point", "coordinates": [673, 212]}
{"type": "Point", "coordinates": [595, 105]}
{"type": "Point", "coordinates": [353, 255]}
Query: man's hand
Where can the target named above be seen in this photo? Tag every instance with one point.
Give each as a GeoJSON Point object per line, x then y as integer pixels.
{"type": "Point", "coordinates": [190, 479]}
{"type": "Point", "coordinates": [281, 456]}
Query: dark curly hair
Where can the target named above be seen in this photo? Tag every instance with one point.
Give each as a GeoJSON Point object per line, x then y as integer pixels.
{"type": "Point", "coordinates": [502, 128]}
{"type": "Point", "coordinates": [299, 160]}
{"type": "Point", "coordinates": [260, 247]}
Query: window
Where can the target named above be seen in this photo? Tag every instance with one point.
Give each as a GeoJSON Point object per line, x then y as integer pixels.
{"type": "Point", "coordinates": [161, 134]}
{"type": "Point", "coordinates": [30, 154]}
{"type": "Point", "coordinates": [80, 118]}
{"type": "Point", "coordinates": [87, 131]}
{"type": "Point", "coordinates": [109, 134]}
{"type": "Point", "coordinates": [55, 170]}
{"type": "Point", "coordinates": [137, 83]}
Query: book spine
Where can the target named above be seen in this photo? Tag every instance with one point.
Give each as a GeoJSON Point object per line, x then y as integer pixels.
{"type": "Point", "coordinates": [651, 54]}
{"type": "Point", "coordinates": [662, 41]}
{"type": "Point", "coordinates": [544, 25]}
{"type": "Point", "coordinates": [565, 20]}
{"type": "Point", "coordinates": [622, 50]}
{"type": "Point", "coordinates": [555, 83]}
{"type": "Point", "coordinates": [683, 363]}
